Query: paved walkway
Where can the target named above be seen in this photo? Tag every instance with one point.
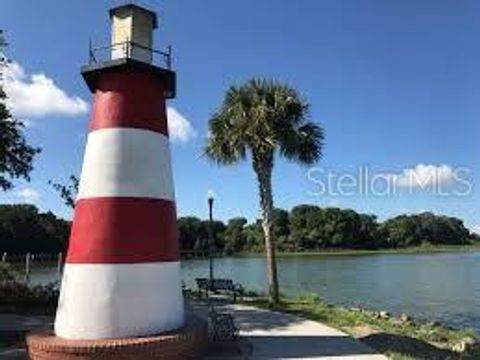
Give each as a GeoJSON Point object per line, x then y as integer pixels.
{"type": "Point", "coordinates": [264, 335]}
{"type": "Point", "coordinates": [13, 328]}
{"type": "Point", "coordinates": [274, 335]}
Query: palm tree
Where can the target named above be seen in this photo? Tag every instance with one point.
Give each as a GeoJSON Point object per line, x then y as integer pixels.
{"type": "Point", "coordinates": [260, 119]}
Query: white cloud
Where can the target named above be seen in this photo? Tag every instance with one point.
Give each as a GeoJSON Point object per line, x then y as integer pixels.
{"type": "Point", "coordinates": [37, 95]}
{"type": "Point", "coordinates": [179, 128]}
{"type": "Point", "coordinates": [475, 229]}
{"type": "Point", "coordinates": [28, 195]}
{"type": "Point", "coordinates": [423, 175]}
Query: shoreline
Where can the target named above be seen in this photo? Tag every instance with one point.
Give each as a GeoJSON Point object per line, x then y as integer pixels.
{"type": "Point", "coordinates": [353, 252]}
{"type": "Point", "coordinates": [400, 336]}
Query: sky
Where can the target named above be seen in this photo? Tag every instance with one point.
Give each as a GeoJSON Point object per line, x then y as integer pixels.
{"type": "Point", "coordinates": [395, 85]}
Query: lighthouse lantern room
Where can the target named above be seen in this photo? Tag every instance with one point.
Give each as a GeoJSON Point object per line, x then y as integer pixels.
{"type": "Point", "coordinates": [132, 32]}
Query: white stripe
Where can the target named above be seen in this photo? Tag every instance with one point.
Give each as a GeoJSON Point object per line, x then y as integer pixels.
{"type": "Point", "coordinates": [100, 301]}
{"type": "Point", "coordinates": [126, 162]}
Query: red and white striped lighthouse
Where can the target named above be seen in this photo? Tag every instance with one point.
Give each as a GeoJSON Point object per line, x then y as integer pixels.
{"type": "Point", "coordinates": [122, 271]}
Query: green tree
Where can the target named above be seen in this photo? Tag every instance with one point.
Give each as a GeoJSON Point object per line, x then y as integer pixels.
{"type": "Point", "coordinates": [192, 233]}
{"type": "Point", "coordinates": [314, 228]}
{"type": "Point", "coordinates": [254, 237]}
{"type": "Point", "coordinates": [303, 222]}
{"type": "Point", "coordinates": [235, 237]}
{"type": "Point", "coordinates": [425, 228]}
{"type": "Point", "coordinates": [68, 191]}
{"type": "Point", "coordinates": [16, 156]}
{"type": "Point", "coordinates": [218, 234]}
{"type": "Point", "coordinates": [263, 118]}
{"type": "Point", "coordinates": [24, 229]}
{"type": "Point", "coordinates": [281, 230]}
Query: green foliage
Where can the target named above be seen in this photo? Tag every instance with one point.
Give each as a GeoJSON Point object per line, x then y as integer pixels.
{"type": "Point", "coordinates": [68, 191]}
{"type": "Point", "coordinates": [316, 228]}
{"type": "Point", "coordinates": [281, 230]}
{"type": "Point", "coordinates": [308, 298]}
{"type": "Point", "coordinates": [6, 273]}
{"type": "Point", "coordinates": [425, 228]}
{"type": "Point", "coordinates": [23, 229]}
{"type": "Point", "coordinates": [15, 293]}
{"type": "Point", "coordinates": [16, 156]}
{"type": "Point", "coordinates": [311, 228]}
{"type": "Point", "coordinates": [263, 116]}
{"type": "Point", "coordinates": [194, 234]}
{"type": "Point", "coordinates": [397, 356]}
{"type": "Point", "coordinates": [235, 237]}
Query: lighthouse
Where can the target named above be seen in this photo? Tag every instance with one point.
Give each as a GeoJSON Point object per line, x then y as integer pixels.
{"type": "Point", "coordinates": [122, 272]}
{"type": "Point", "coordinates": [121, 296]}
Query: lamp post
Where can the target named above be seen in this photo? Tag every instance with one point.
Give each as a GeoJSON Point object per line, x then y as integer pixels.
{"type": "Point", "coordinates": [210, 235]}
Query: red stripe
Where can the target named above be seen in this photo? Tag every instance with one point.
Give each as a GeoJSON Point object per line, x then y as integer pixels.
{"type": "Point", "coordinates": [123, 230]}
{"type": "Point", "coordinates": [132, 99]}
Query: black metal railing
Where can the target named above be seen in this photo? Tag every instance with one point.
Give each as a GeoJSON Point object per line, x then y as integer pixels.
{"type": "Point", "coordinates": [131, 50]}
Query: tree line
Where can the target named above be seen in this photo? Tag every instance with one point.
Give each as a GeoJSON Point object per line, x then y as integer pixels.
{"type": "Point", "coordinates": [312, 228]}
{"type": "Point", "coordinates": [23, 228]}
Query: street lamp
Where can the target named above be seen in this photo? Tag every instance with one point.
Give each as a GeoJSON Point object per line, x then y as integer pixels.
{"type": "Point", "coordinates": [210, 196]}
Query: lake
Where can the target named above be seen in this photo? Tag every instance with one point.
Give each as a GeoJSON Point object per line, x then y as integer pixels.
{"type": "Point", "coordinates": [437, 286]}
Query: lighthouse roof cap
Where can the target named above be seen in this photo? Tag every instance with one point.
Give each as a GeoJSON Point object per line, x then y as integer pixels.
{"type": "Point", "coordinates": [132, 6]}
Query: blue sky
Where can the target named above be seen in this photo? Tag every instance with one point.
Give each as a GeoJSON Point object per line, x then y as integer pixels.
{"type": "Point", "coordinates": [395, 84]}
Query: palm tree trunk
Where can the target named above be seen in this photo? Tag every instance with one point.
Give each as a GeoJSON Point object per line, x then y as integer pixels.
{"type": "Point", "coordinates": [263, 168]}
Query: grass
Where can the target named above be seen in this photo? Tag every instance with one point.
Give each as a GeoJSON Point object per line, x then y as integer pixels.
{"type": "Point", "coordinates": [396, 356]}
{"type": "Point", "coordinates": [399, 339]}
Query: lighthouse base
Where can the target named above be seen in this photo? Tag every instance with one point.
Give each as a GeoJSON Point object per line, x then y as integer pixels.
{"type": "Point", "coordinates": [189, 342]}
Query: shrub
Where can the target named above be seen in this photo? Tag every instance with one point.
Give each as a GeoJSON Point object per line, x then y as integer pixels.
{"type": "Point", "coordinates": [19, 294]}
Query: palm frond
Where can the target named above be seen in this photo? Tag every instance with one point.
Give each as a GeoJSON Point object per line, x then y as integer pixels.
{"type": "Point", "coordinates": [304, 144]}
{"type": "Point", "coordinates": [263, 116]}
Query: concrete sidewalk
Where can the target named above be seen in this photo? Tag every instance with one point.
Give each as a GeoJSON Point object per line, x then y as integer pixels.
{"type": "Point", "coordinates": [274, 335]}
{"type": "Point", "coordinates": [13, 328]}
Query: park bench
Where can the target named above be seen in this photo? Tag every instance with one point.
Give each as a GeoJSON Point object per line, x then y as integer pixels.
{"type": "Point", "coordinates": [216, 285]}
{"type": "Point", "coordinates": [223, 325]}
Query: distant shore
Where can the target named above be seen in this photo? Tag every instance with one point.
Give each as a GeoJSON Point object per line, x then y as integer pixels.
{"type": "Point", "coordinates": [350, 252]}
